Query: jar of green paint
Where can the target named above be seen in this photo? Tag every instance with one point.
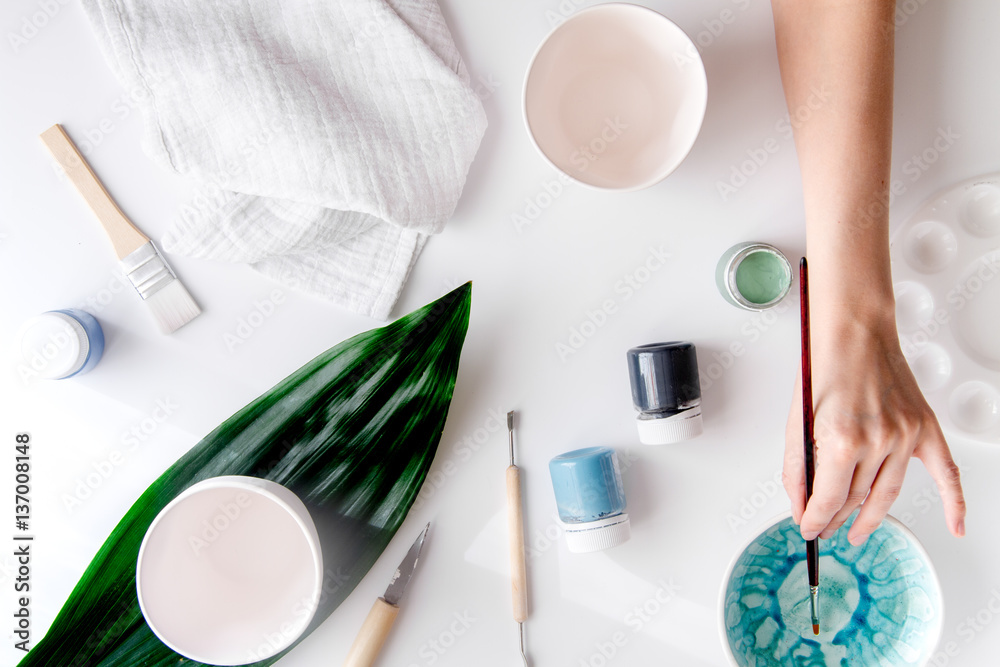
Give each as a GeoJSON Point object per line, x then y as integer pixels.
{"type": "Point", "coordinates": [753, 276]}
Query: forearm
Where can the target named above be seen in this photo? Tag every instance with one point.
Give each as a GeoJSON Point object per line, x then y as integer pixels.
{"type": "Point", "coordinates": [836, 59]}
{"type": "Point", "coordinates": [870, 417]}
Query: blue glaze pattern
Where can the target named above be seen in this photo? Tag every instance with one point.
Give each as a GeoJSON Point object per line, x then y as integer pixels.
{"type": "Point", "coordinates": [880, 603]}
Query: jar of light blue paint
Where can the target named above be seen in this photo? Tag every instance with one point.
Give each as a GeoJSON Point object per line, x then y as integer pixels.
{"type": "Point", "coordinates": [590, 499]}
{"type": "Point", "coordinates": [61, 343]}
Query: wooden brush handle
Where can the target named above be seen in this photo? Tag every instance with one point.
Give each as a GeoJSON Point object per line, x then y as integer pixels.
{"type": "Point", "coordinates": [372, 635]}
{"type": "Point", "coordinates": [515, 528]}
{"type": "Point", "coordinates": [123, 234]}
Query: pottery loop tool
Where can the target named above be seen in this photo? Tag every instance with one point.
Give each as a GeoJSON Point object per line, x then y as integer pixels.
{"type": "Point", "coordinates": [383, 614]}
{"type": "Point", "coordinates": [808, 442]}
{"type": "Point", "coordinates": [147, 271]}
{"type": "Point", "coordinates": [515, 530]}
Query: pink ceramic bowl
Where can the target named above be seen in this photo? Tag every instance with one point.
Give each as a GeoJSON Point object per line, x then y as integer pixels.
{"type": "Point", "coordinates": [615, 97]}
{"type": "Point", "coordinates": [230, 572]}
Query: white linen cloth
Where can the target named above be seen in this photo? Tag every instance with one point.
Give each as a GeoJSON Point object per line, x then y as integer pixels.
{"type": "Point", "coordinates": [329, 137]}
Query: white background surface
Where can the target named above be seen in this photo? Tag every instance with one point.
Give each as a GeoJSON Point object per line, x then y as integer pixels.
{"type": "Point", "coordinates": [532, 286]}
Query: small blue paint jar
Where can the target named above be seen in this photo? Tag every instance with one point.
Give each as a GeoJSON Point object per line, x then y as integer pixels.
{"type": "Point", "coordinates": [590, 499]}
{"type": "Point", "coordinates": [60, 344]}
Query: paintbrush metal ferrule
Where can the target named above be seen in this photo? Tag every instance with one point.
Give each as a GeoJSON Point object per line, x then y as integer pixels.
{"type": "Point", "coordinates": [146, 270]}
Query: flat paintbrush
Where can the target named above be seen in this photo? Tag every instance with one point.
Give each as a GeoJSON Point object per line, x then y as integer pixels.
{"type": "Point", "coordinates": [808, 442]}
{"type": "Point", "coordinates": [147, 271]}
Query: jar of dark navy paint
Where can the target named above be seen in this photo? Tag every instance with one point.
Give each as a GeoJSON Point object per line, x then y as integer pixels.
{"type": "Point", "coordinates": [666, 392]}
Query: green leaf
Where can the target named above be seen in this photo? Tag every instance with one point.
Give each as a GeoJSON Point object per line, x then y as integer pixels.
{"type": "Point", "coordinates": [352, 433]}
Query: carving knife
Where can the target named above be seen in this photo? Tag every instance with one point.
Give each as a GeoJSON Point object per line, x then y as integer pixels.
{"type": "Point", "coordinates": [376, 627]}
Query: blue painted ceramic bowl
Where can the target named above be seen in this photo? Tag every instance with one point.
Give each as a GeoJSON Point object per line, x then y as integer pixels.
{"type": "Point", "coordinates": [880, 603]}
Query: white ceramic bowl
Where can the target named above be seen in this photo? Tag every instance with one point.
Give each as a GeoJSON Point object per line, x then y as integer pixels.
{"type": "Point", "coordinates": [880, 603]}
{"type": "Point", "coordinates": [615, 96]}
{"type": "Point", "coordinates": [230, 572]}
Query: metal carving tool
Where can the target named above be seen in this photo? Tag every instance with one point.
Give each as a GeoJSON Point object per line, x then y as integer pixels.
{"type": "Point", "coordinates": [515, 535]}
{"type": "Point", "coordinates": [376, 627]}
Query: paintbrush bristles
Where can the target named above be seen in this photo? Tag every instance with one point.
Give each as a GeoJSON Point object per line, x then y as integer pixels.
{"type": "Point", "coordinates": [172, 306]}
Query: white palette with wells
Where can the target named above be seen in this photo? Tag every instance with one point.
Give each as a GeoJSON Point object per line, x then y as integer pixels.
{"type": "Point", "coordinates": [946, 276]}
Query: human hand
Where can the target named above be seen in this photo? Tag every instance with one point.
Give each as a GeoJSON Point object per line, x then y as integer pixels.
{"type": "Point", "coordinates": [870, 418]}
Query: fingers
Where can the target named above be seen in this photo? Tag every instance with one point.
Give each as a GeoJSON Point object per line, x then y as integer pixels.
{"type": "Point", "coordinates": [793, 474]}
{"type": "Point", "coordinates": [936, 456]}
{"type": "Point", "coordinates": [885, 490]}
{"type": "Point", "coordinates": [861, 484]}
{"type": "Point", "coordinates": [831, 486]}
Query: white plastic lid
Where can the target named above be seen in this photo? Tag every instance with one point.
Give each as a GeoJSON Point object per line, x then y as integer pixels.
{"type": "Point", "coordinates": [54, 345]}
{"type": "Point", "coordinates": [669, 430]}
{"type": "Point", "coordinates": [597, 535]}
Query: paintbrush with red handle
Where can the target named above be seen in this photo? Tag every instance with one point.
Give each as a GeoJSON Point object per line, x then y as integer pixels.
{"type": "Point", "coordinates": [808, 443]}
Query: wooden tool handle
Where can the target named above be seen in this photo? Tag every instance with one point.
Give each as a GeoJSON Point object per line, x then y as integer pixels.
{"type": "Point", "coordinates": [123, 234]}
{"type": "Point", "coordinates": [372, 635]}
{"type": "Point", "coordinates": [515, 528]}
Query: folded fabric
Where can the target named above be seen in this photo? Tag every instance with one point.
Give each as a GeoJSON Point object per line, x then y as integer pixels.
{"type": "Point", "coordinates": [329, 138]}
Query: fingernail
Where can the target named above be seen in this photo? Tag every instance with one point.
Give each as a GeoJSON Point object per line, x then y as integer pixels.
{"type": "Point", "coordinates": [809, 535]}
{"type": "Point", "coordinates": [961, 528]}
{"type": "Point", "coordinates": [857, 540]}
